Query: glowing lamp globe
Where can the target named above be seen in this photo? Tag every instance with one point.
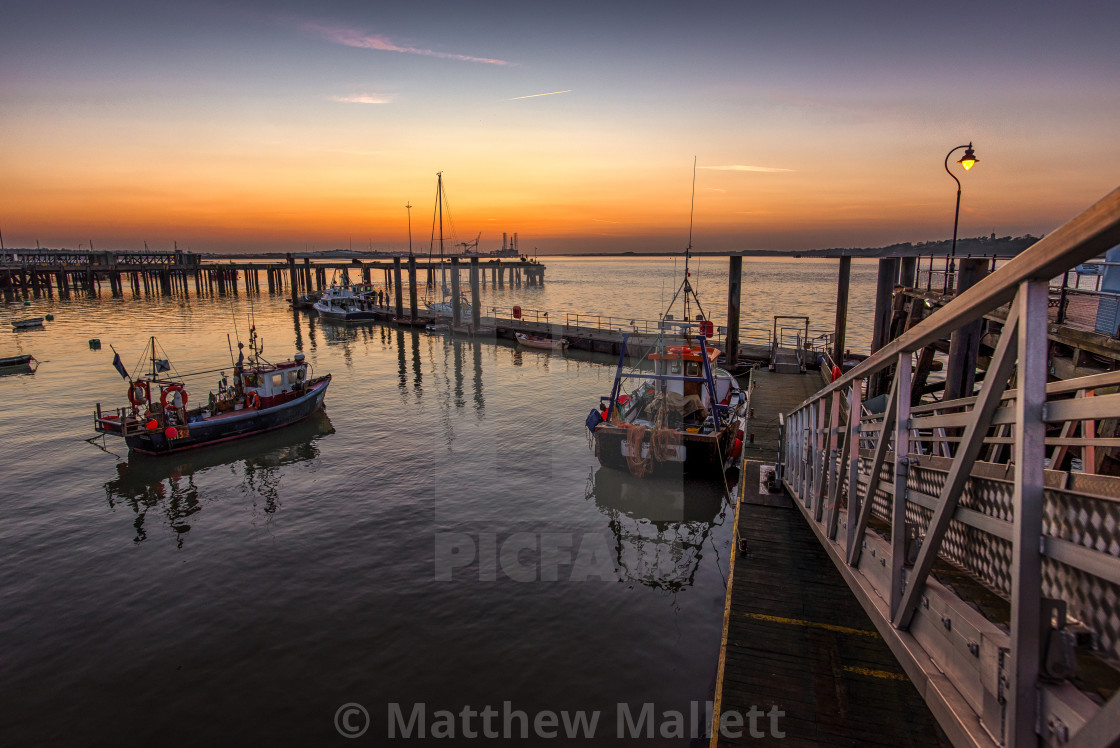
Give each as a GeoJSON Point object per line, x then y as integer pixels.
{"type": "Point", "coordinates": [968, 159]}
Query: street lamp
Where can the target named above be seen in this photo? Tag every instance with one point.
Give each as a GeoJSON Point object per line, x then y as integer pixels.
{"type": "Point", "coordinates": [967, 161]}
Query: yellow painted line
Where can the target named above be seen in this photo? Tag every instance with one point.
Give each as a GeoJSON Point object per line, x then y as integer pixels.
{"type": "Point", "coordinates": [717, 700]}
{"type": "Point", "coordinates": [812, 624]}
{"type": "Point", "coordinates": [875, 673]}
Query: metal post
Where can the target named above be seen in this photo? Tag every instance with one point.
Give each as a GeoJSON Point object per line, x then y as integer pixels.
{"type": "Point", "coordinates": [734, 287]}
{"type": "Point", "coordinates": [855, 416]}
{"type": "Point", "coordinates": [1026, 559]}
{"type": "Point", "coordinates": [901, 478]}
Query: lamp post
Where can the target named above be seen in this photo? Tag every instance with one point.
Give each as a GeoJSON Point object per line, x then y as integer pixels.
{"type": "Point", "coordinates": [967, 162]}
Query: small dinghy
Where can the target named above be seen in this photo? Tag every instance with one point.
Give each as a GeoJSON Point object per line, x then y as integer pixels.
{"type": "Point", "coordinates": [18, 364]}
{"type": "Point", "coordinates": [23, 324]}
{"type": "Point", "coordinates": [534, 341]}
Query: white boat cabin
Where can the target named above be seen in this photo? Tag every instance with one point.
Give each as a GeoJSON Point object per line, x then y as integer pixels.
{"type": "Point", "coordinates": [277, 380]}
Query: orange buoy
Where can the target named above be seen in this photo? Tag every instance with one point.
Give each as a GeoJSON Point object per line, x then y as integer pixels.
{"type": "Point", "coordinates": [152, 425]}
{"type": "Point", "coordinates": [835, 372]}
{"type": "Point", "coordinates": [171, 432]}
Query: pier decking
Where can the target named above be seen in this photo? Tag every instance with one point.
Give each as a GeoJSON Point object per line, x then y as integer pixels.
{"type": "Point", "coordinates": [795, 637]}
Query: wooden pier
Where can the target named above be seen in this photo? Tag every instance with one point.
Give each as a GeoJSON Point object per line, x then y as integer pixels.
{"type": "Point", "coordinates": [795, 638]}
{"type": "Point", "coordinates": [44, 272]}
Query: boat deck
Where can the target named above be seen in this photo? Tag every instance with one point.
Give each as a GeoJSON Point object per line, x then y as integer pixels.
{"type": "Point", "coordinates": [795, 637]}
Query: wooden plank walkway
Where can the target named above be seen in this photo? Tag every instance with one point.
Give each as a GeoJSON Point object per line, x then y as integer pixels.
{"type": "Point", "coordinates": [796, 639]}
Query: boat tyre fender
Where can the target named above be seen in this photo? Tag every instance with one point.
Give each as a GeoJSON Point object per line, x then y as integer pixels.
{"type": "Point", "coordinates": [301, 374]}
{"type": "Point", "coordinates": [138, 393]}
{"type": "Point", "coordinates": [253, 400]}
{"type": "Point", "coordinates": [173, 388]}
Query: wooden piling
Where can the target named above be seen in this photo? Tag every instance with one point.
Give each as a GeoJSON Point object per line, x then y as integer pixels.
{"type": "Point", "coordinates": [411, 287]}
{"type": "Point", "coordinates": [397, 285]}
{"type": "Point", "coordinates": [964, 343]}
{"type": "Point", "coordinates": [456, 311]}
{"type": "Point", "coordinates": [884, 296]}
{"type": "Point", "coordinates": [840, 329]}
{"type": "Point", "coordinates": [476, 305]}
{"type": "Point", "coordinates": [734, 288]}
{"type": "Point", "coordinates": [907, 272]}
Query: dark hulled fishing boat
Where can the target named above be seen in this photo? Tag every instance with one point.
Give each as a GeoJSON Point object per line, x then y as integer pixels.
{"type": "Point", "coordinates": [262, 396]}
{"type": "Point", "coordinates": [686, 415]}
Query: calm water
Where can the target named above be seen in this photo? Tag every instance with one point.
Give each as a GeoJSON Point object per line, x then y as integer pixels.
{"type": "Point", "coordinates": [440, 535]}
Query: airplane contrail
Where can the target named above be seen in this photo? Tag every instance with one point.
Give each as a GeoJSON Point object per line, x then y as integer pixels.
{"type": "Point", "coordinates": [533, 96]}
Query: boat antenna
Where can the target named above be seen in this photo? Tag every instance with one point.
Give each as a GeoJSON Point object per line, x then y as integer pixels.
{"type": "Point", "coordinates": [686, 286]}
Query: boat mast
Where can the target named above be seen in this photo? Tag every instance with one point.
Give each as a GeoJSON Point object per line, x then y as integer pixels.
{"type": "Point", "coordinates": [439, 202]}
{"type": "Point", "coordinates": [686, 285]}
{"type": "Point", "coordinates": [408, 207]}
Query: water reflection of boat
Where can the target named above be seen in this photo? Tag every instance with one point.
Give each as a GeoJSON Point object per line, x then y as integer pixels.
{"type": "Point", "coordinates": [170, 484]}
{"type": "Point", "coordinates": [660, 526]}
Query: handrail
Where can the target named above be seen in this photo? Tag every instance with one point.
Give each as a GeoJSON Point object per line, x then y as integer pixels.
{"type": "Point", "coordinates": [1079, 239]}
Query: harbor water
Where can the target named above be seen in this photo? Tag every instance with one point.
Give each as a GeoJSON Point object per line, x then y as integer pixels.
{"type": "Point", "coordinates": [440, 537]}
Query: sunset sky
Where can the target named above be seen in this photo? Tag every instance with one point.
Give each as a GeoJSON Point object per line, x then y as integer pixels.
{"type": "Point", "coordinates": [282, 126]}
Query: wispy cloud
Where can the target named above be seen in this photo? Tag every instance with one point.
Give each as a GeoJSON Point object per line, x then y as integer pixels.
{"type": "Point", "coordinates": [362, 40]}
{"type": "Point", "coordinates": [363, 99]}
{"type": "Point", "coordinates": [715, 189]}
{"type": "Point", "coordinates": [533, 96]}
{"type": "Point", "coordinates": [601, 220]}
{"type": "Point", "coordinates": [740, 167]}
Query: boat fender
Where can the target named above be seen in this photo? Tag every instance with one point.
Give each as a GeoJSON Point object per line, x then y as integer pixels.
{"type": "Point", "coordinates": [301, 374]}
{"type": "Point", "coordinates": [594, 418]}
{"type": "Point", "coordinates": [253, 400]}
{"type": "Point", "coordinates": [173, 388]}
{"type": "Point", "coordinates": [835, 372]}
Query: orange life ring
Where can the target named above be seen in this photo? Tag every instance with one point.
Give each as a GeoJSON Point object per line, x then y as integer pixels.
{"type": "Point", "coordinates": [173, 388]}
{"type": "Point", "coordinates": [253, 400]}
{"type": "Point", "coordinates": [679, 350]}
{"type": "Point", "coordinates": [139, 393]}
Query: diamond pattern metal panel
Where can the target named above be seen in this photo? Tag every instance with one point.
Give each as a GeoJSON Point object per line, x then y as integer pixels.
{"type": "Point", "coordinates": [1080, 509]}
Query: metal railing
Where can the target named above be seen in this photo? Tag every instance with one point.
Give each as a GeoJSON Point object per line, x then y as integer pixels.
{"type": "Point", "coordinates": [890, 494]}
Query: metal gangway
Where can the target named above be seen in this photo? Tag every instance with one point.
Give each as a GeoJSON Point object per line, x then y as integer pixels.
{"type": "Point", "coordinates": [994, 579]}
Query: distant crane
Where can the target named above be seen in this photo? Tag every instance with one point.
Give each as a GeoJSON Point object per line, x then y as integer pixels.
{"type": "Point", "coordinates": [470, 245]}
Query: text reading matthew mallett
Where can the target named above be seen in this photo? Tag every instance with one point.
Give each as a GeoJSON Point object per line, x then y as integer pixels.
{"type": "Point", "coordinates": [633, 722]}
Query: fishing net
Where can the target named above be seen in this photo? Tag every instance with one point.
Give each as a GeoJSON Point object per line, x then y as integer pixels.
{"type": "Point", "coordinates": [639, 466]}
